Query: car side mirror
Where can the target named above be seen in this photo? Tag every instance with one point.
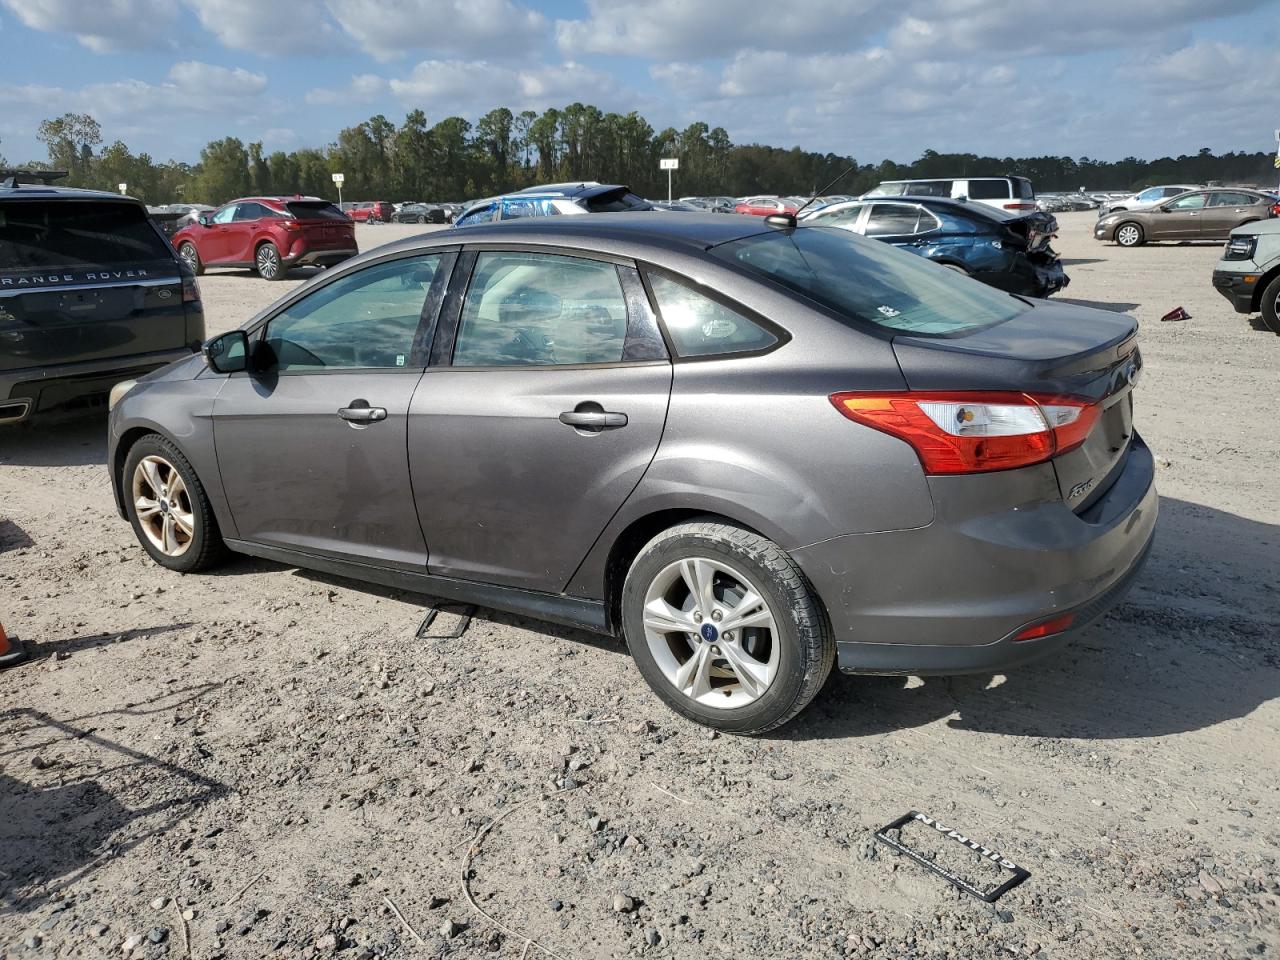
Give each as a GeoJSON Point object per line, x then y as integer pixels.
{"type": "Point", "coordinates": [228, 353]}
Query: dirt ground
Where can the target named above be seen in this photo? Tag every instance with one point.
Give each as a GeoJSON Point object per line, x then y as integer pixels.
{"type": "Point", "coordinates": [268, 763]}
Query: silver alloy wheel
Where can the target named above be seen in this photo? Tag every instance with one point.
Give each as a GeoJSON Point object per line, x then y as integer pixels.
{"type": "Point", "coordinates": [711, 633]}
{"type": "Point", "coordinates": [268, 262]}
{"type": "Point", "coordinates": [1128, 235]}
{"type": "Point", "coordinates": [163, 505]}
{"type": "Point", "coordinates": [189, 256]}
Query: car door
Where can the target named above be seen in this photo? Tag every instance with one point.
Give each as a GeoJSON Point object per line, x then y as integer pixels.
{"type": "Point", "coordinates": [214, 241]}
{"type": "Point", "coordinates": [542, 409]}
{"type": "Point", "coordinates": [1226, 210]}
{"type": "Point", "coordinates": [1178, 219]}
{"type": "Point", "coordinates": [241, 233]}
{"type": "Point", "coordinates": [311, 449]}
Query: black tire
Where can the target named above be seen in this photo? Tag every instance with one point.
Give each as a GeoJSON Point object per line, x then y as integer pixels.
{"type": "Point", "coordinates": [806, 648]}
{"type": "Point", "coordinates": [188, 252]}
{"type": "Point", "coordinates": [205, 548]}
{"type": "Point", "coordinates": [267, 262]}
{"type": "Point", "coordinates": [1270, 306]}
{"type": "Point", "coordinates": [1129, 234]}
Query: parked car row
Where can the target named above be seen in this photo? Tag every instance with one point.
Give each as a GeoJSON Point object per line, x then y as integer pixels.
{"type": "Point", "coordinates": [1195, 215]}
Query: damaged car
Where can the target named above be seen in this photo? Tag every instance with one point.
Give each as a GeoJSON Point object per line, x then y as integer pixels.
{"type": "Point", "coordinates": [1006, 250]}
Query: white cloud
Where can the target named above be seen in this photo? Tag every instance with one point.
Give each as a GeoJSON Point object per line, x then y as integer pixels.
{"type": "Point", "coordinates": [104, 26]}
{"type": "Point", "coordinates": [387, 29]}
{"type": "Point", "coordinates": [269, 26]}
{"type": "Point", "coordinates": [460, 86]}
{"type": "Point", "coordinates": [364, 88]}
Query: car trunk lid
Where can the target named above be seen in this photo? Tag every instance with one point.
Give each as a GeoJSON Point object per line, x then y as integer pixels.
{"type": "Point", "coordinates": [85, 280]}
{"type": "Point", "coordinates": [1031, 232]}
{"type": "Point", "coordinates": [1053, 350]}
{"type": "Point", "coordinates": [323, 225]}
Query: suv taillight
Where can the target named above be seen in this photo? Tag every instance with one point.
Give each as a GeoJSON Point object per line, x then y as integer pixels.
{"type": "Point", "coordinates": [1020, 206]}
{"type": "Point", "coordinates": [190, 290]}
{"type": "Point", "coordinates": [974, 432]}
{"type": "Point", "coordinates": [1240, 248]}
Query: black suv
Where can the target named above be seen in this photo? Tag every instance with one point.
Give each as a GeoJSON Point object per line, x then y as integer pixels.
{"type": "Point", "coordinates": [91, 293]}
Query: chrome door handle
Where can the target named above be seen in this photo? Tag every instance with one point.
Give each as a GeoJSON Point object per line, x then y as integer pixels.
{"type": "Point", "coordinates": [593, 419]}
{"type": "Point", "coordinates": [359, 411]}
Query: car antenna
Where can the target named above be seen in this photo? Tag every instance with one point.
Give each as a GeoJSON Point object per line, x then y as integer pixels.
{"type": "Point", "coordinates": [790, 219]}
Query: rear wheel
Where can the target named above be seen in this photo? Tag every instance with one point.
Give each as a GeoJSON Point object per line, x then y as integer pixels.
{"type": "Point", "coordinates": [191, 257]}
{"type": "Point", "coordinates": [724, 628]}
{"type": "Point", "coordinates": [1270, 306]}
{"type": "Point", "coordinates": [267, 261]}
{"type": "Point", "coordinates": [168, 507]}
{"type": "Point", "coordinates": [1129, 235]}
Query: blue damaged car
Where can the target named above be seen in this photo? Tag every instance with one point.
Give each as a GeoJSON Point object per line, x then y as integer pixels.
{"type": "Point", "coordinates": [1004, 249]}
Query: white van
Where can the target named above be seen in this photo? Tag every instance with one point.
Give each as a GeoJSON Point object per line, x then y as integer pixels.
{"type": "Point", "coordinates": [1003, 193]}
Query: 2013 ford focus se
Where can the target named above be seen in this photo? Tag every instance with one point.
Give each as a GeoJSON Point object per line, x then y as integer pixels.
{"type": "Point", "coordinates": [750, 450]}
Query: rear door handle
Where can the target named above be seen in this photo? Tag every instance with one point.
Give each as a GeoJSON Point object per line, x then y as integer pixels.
{"type": "Point", "coordinates": [593, 419]}
{"type": "Point", "coordinates": [359, 411]}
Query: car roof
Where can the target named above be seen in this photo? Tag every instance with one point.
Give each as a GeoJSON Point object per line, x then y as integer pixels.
{"type": "Point", "coordinates": [37, 191]}
{"type": "Point", "coordinates": [622, 234]}
{"type": "Point", "coordinates": [585, 188]}
{"type": "Point", "coordinates": [940, 203]}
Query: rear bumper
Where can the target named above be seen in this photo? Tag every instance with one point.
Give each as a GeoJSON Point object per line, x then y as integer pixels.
{"type": "Point", "coordinates": [320, 258]}
{"type": "Point", "coordinates": [949, 597]}
{"type": "Point", "coordinates": [42, 389]}
{"type": "Point", "coordinates": [1232, 286]}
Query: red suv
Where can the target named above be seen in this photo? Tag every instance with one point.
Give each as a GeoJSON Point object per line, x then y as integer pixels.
{"type": "Point", "coordinates": [269, 234]}
{"type": "Point", "coordinates": [371, 211]}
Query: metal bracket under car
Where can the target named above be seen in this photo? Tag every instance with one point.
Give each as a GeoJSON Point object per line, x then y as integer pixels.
{"type": "Point", "coordinates": [989, 896]}
{"type": "Point", "coordinates": [465, 612]}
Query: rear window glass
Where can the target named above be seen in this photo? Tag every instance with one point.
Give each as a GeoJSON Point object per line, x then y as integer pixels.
{"type": "Point", "coordinates": [69, 233]}
{"type": "Point", "coordinates": [1025, 190]}
{"type": "Point", "coordinates": [616, 201]}
{"type": "Point", "coordinates": [988, 189]}
{"type": "Point", "coordinates": [314, 210]}
{"type": "Point", "coordinates": [872, 282]}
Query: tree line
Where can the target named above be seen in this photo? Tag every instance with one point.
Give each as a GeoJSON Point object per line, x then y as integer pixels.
{"type": "Point", "coordinates": [455, 160]}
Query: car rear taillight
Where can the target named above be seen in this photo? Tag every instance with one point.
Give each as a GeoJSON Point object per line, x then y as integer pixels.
{"type": "Point", "coordinates": [1020, 206]}
{"type": "Point", "coordinates": [975, 432]}
{"type": "Point", "coordinates": [190, 290]}
{"type": "Point", "coordinates": [292, 225]}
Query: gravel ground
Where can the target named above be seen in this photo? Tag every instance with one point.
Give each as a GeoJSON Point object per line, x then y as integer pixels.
{"type": "Point", "coordinates": [266, 762]}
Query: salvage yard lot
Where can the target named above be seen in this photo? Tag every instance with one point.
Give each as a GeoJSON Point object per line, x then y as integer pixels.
{"type": "Point", "coordinates": [267, 762]}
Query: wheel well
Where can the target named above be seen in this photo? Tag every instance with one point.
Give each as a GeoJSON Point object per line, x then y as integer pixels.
{"type": "Point", "coordinates": [1261, 285]}
{"type": "Point", "coordinates": [127, 440]}
{"type": "Point", "coordinates": [632, 540]}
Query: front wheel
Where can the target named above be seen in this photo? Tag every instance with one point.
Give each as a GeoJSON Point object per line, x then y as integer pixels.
{"type": "Point", "coordinates": [724, 628]}
{"type": "Point", "coordinates": [1129, 235]}
{"type": "Point", "coordinates": [1270, 306]}
{"type": "Point", "coordinates": [168, 507]}
{"type": "Point", "coordinates": [268, 262]}
{"type": "Point", "coordinates": [191, 257]}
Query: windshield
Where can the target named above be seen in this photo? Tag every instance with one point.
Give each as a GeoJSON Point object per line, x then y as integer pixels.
{"type": "Point", "coordinates": [314, 210]}
{"type": "Point", "coordinates": [76, 233]}
{"type": "Point", "coordinates": [871, 281]}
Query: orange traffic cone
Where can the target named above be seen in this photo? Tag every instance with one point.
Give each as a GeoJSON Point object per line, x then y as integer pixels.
{"type": "Point", "coordinates": [11, 651]}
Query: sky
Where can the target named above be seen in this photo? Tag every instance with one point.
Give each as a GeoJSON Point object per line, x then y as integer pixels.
{"type": "Point", "coordinates": [867, 78]}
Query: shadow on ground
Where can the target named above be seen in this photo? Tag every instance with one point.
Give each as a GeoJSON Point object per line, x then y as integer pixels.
{"type": "Point", "coordinates": [66, 442]}
{"type": "Point", "coordinates": [1175, 657]}
{"type": "Point", "coordinates": [65, 819]}
{"type": "Point", "coordinates": [1114, 307]}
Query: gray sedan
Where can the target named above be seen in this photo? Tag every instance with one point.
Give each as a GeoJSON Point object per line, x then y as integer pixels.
{"type": "Point", "coordinates": [751, 450]}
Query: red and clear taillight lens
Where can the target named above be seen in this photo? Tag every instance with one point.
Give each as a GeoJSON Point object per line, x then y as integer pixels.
{"type": "Point", "coordinates": [190, 290]}
{"type": "Point", "coordinates": [974, 432]}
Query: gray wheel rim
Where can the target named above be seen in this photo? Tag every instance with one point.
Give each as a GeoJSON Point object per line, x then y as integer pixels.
{"type": "Point", "coordinates": [1127, 235]}
{"type": "Point", "coordinates": [268, 263]}
{"type": "Point", "coordinates": [711, 632]}
{"type": "Point", "coordinates": [189, 256]}
{"type": "Point", "coordinates": [163, 505]}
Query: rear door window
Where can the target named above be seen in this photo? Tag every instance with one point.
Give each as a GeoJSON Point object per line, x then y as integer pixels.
{"type": "Point", "coordinates": [70, 233]}
{"type": "Point", "coordinates": [314, 210]}
{"type": "Point", "coordinates": [250, 211]}
{"type": "Point", "coordinates": [1226, 199]}
{"type": "Point", "coordinates": [535, 309]}
{"type": "Point", "coordinates": [892, 220]}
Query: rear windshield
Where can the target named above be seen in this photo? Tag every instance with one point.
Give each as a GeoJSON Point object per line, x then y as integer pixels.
{"type": "Point", "coordinates": [872, 282]}
{"type": "Point", "coordinates": [314, 210]}
{"type": "Point", "coordinates": [77, 233]}
{"type": "Point", "coordinates": [616, 201]}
